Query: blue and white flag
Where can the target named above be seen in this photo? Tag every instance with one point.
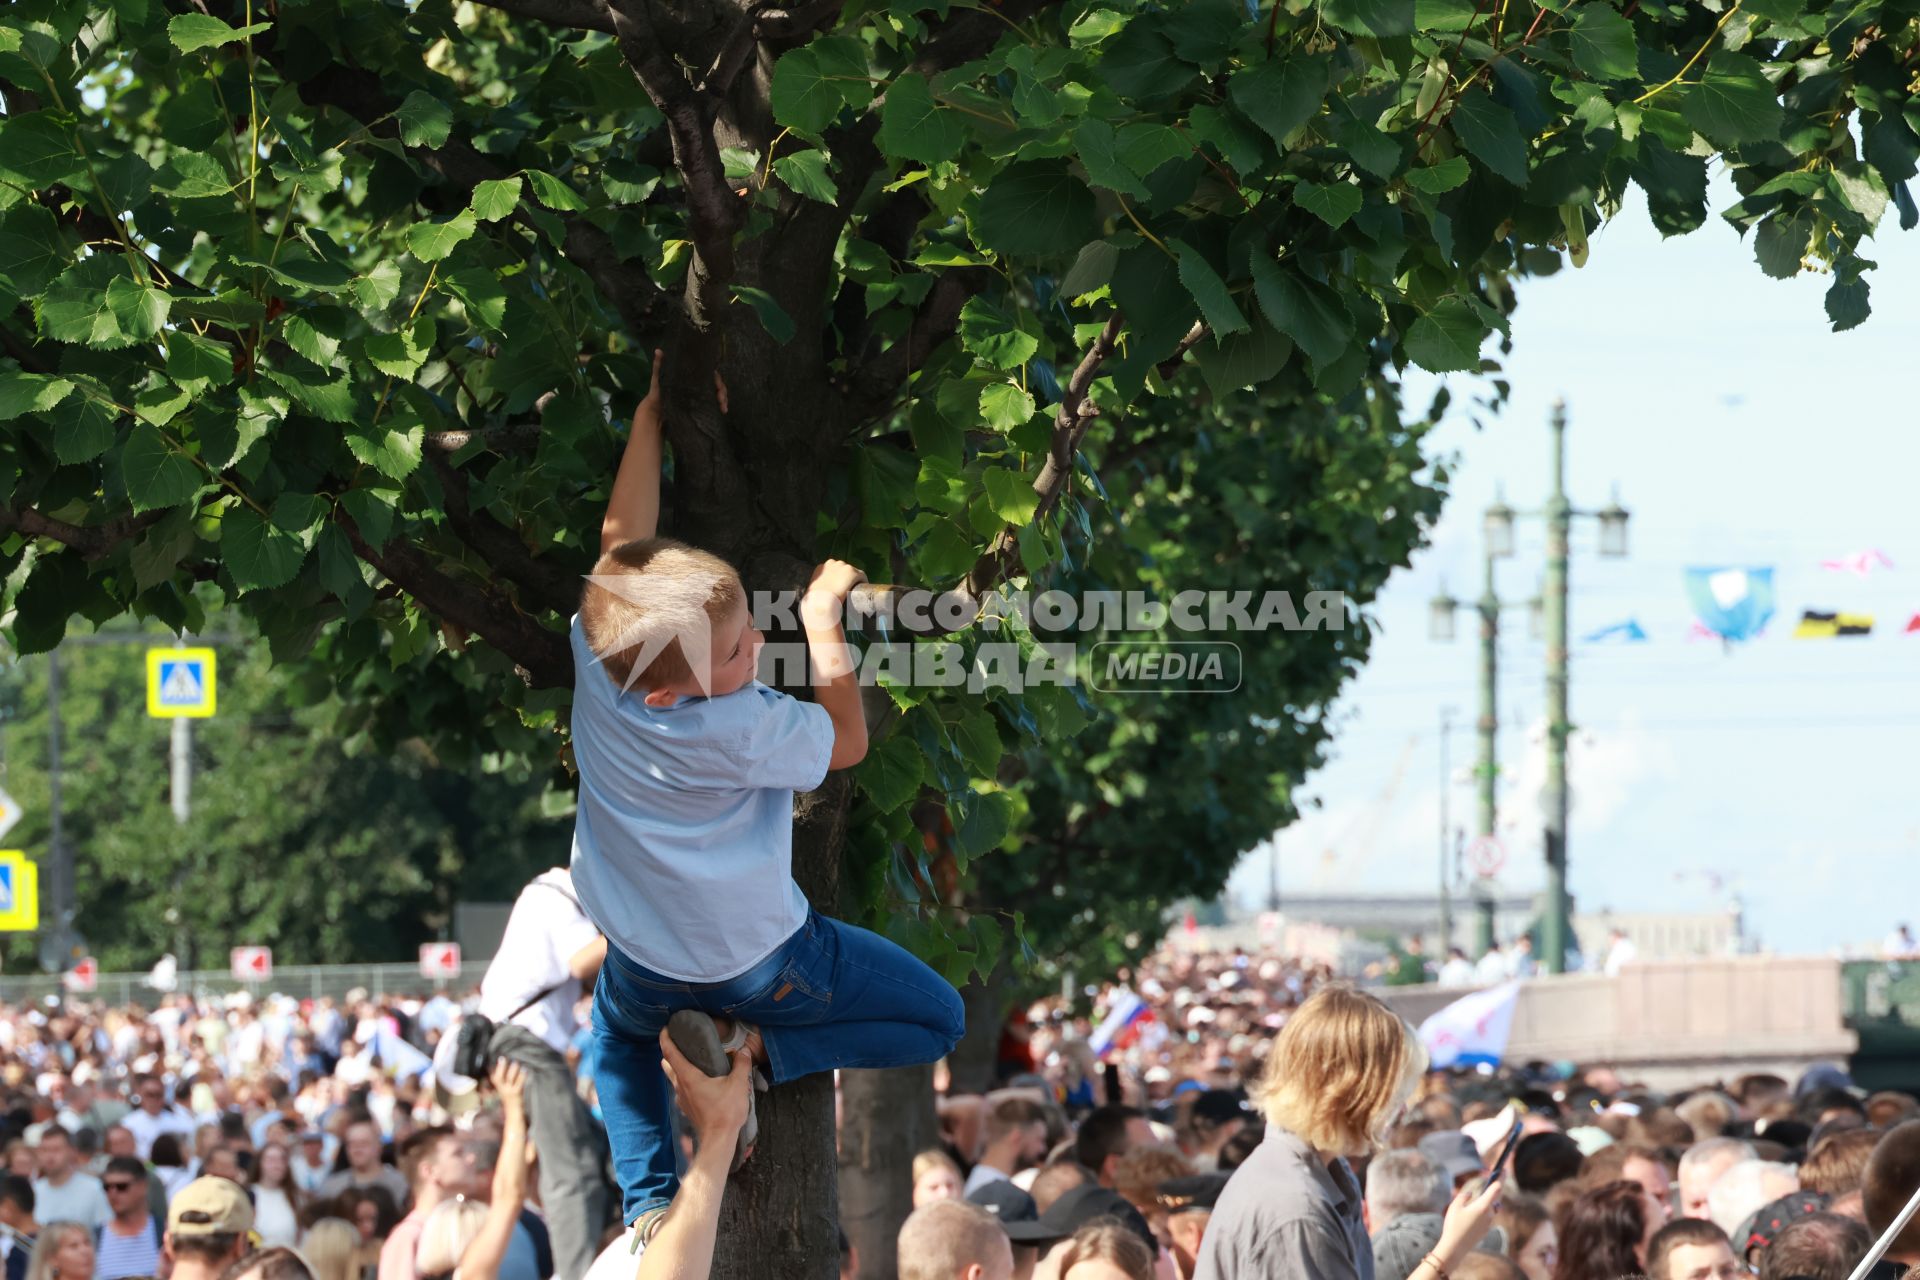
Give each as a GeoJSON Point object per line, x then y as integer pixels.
{"type": "Point", "coordinates": [1628, 632]}
{"type": "Point", "coordinates": [1473, 1029]}
{"type": "Point", "coordinates": [397, 1056]}
{"type": "Point", "coordinates": [1128, 1011]}
{"type": "Point", "coordinates": [1734, 604]}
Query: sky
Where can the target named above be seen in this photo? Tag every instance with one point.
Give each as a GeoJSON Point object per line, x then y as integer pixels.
{"type": "Point", "coordinates": [1739, 430]}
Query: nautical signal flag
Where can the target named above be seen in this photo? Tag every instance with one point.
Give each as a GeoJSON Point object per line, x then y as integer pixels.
{"type": "Point", "coordinates": [1815, 625]}
{"type": "Point", "coordinates": [1733, 603]}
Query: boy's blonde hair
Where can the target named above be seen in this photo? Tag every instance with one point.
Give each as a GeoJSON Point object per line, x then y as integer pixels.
{"type": "Point", "coordinates": [1340, 1071]}
{"type": "Point", "coordinates": [933, 1158]}
{"type": "Point", "coordinates": [650, 609]}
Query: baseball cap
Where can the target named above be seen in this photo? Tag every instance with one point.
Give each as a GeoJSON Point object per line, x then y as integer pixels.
{"type": "Point", "coordinates": [1075, 1210]}
{"type": "Point", "coordinates": [1004, 1201]}
{"type": "Point", "coordinates": [210, 1207]}
{"type": "Point", "coordinates": [1218, 1106]}
{"type": "Point", "coordinates": [1774, 1217]}
{"type": "Point", "coordinates": [1196, 1192]}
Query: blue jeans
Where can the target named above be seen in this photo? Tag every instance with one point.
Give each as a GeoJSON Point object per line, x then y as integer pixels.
{"type": "Point", "coordinates": [831, 996]}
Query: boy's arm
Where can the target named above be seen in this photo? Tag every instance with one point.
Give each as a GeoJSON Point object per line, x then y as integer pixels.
{"type": "Point", "coordinates": [835, 677]}
{"type": "Point", "coordinates": [633, 508]}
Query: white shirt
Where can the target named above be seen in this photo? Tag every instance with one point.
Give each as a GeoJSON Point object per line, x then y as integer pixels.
{"type": "Point", "coordinates": [683, 838]}
{"type": "Point", "coordinates": [1901, 946]}
{"type": "Point", "coordinates": [547, 927]}
{"type": "Point", "coordinates": [81, 1200]}
{"type": "Point", "coordinates": [1492, 968]}
{"type": "Point", "coordinates": [1620, 955]}
{"type": "Point", "coordinates": [1456, 972]}
{"type": "Point", "coordinates": [145, 1127]}
{"type": "Point", "coordinates": [274, 1218]}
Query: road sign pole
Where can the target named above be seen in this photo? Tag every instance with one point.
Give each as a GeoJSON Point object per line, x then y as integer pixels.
{"type": "Point", "coordinates": [57, 954]}
{"type": "Point", "coordinates": [182, 760]}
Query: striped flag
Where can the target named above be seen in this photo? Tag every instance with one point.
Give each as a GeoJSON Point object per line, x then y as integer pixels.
{"type": "Point", "coordinates": [1473, 1029]}
{"type": "Point", "coordinates": [1122, 1024]}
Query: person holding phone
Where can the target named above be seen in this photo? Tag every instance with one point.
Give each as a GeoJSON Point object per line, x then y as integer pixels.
{"type": "Point", "coordinates": [1340, 1072]}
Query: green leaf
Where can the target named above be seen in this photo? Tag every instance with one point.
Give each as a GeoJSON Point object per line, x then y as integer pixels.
{"type": "Point", "coordinates": [1004, 406]}
{"type": "Point", "coordinates": [812, 83]}
{"type": "Point", "coordinates": [84, 430]}
{"type": "Point", "coordinates": [988, 819]}
{"type": "Point", "coordinates": [1243, 359]}
{"type": "Point", "coordinates": [74, 307]}
{"type": "Point", "coordinates": [1281, 96]}
{"type": "Point", "coordinates": [991, 334]}
{"type": "Point", "coordinates": [196, 362]}
{"type": "Point", "coordinates": [1092, 269]}
{"type": "Point", "coordinates": [299, 268]}
{"type": "Point", "coordinates": [377, 289]}
{"type": "Point", "coordinates": [425, 121]}
{"type": "Point", "coordinates": [806, 172]}
{"type": "Point", "coordinates": [977, 734]}
{"type": "Point", "coordinates": [329, 398]}
{"type": "Point", "coordinates": [336, 565]}
{"type": "Point", "coordinates": [1010, 494]}
{"type": "Point", "coordinates": [1447, 338]}
{"type": "Point", "coordinates": [433, 241]}
{"type": "Point", "coordinates": [401, 354]}
{"type": "Point", "coordinates": [139, 310]}
{"type": "Point", "coordinates": [1847, 300]}
{"type": "Point", "coordinates": [1098, 149]}
{"type": "Point", "coordinates": [773, 317]}
{"type": "Point", "coordinates": [1308, 312]}
{"type": "Point", "coordinates": [892, 772]}
{"type": "Point", "coordinates": [553, 193]}
{"type": "Point", "coordinates": [392, 447]}
{"type": "Point", "coordinates": [194, 31]}
{"type": "Point", "coordinates": [256, 551]}
{"type": "Point", "coordinates": [160, 404]}
{"type": "Point", "coordinates": [372, 511]}
{"type": "Point", "coordinates": [193, 175]}
{"type": "Point", "coordinates": [231, 307]}
{"type": "Point", "coordinates": [160, 552]}
{"type": "Point", "coordinates": [305, 334]}
{"type": "Point", "coordinates": [1378, 18]}
{"type": "Point", "coordinates": [1491, 135]}
{"type": "Point", "coordinates": [915, 127]}
{"type": "Point", "coordinates": [32, 250]}
{"type": "Point", "coordinates": [1035, 208]}
{"type": "Point", "coordinates": [30, 393]}
{"type": "Point", "coordinates": [1733, 103]}
{"type": "Point", "coordinates": [1780, 244]}
{"type": "Point", "coordinates": [36, 151]}
{"type": "Point", "coordinates": [1332, 202]}
{"type": "Point", "coordinates": [157, 474]}
{"type": "Point", "coordinates": [1443, 176]}
{"type": "Point", "coordinates": [495, 198]}
{"type": "Point", "coordinates": [1222, 313]}
{"type": "Point", "coordinates": [481, 293]}
{"type": "Point", "coordinates": [1603, 43]}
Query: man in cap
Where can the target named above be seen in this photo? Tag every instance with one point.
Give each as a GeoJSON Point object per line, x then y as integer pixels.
{"type": "Point", "coordinates": [209, 1228]}
{"type": "Point", "coordinates": [1189, 1204]}
{"type": "Point", "coordinates": [1456, 1155]}
{"type": "Point", "coordinates": [1073, 1211]}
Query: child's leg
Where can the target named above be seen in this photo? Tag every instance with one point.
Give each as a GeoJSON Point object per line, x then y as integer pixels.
{"type": "Point", "coordinates": [846, 997]}
{"type": "Point", "coordinates": [635, 1099]}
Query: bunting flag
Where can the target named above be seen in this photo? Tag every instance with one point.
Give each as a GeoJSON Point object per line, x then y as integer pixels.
{"type": "Point", "coordinates": [1860, 563]}
{"type": "Point", "coordinates": [1628, 632]}
{"type": "Point", "coordinates": [1734, 604]}
{"type": "Point", "coordinates": [1472, 1030]}
{"type": "Point", "coordinates": [1815, 625]}
{"type": "Point", "coordinates": [1913, 624]}
{"type": "Point", "coordinates": [1120, 1026]}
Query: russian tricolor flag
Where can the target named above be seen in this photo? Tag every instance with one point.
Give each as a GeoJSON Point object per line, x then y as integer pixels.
{"type": "Point", "coordinates": [1123, 1021]}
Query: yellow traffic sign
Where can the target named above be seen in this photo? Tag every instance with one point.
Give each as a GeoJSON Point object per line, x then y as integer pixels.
{"type": "Point", "coordinates": [19, 893]}
{"type": "Point", "coordinates": [180, 682]}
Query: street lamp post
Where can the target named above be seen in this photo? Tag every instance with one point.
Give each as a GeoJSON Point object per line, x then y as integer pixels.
{"type": "Point", "coordinates": [1551, 608]}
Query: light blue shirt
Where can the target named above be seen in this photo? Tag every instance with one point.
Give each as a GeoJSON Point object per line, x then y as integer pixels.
{"type": "Point", "coordinates": [683, 839]}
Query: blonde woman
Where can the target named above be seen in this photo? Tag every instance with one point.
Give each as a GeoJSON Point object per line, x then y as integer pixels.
{"type": "Point", "coordinates": [463, 1239]}
{"type": "Point", "coordinates": [330, 1247]}
{"type": "Point", "coordinates": [64, 1251]}
{"type": "Point", "coordinates": [1340, 1072]}
{"type": "Point", "coordinates": [935, 1177]}
{"type": "Point", "coordinates": [1105, 1250]}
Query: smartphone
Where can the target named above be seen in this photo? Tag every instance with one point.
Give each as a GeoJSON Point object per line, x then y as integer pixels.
{"type": "Point", "coordinates": [1506, 1152]}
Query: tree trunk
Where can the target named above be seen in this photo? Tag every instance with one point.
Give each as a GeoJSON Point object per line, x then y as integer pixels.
{"type": "Point", "coordinates": [886, 1118]}
{"type": "Point", "coordinates": [974, 1059]}
{"type": "Point", "coordinates": [781, 1211]}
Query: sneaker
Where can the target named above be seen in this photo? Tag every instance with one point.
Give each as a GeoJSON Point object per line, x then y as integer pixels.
{"type": "Point", "coordinates": [696, 1036]}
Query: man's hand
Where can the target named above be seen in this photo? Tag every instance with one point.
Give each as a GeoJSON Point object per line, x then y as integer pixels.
{"type": "Point", "coordinates": [510, 1082]}
{"type": "Point", "coordinates": [716, 1105]}
{"type": "Point", "coordinates": [826, 596]}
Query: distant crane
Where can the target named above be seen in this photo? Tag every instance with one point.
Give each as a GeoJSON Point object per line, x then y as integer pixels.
{"type": "Point", "coordinates": [1352, 850]}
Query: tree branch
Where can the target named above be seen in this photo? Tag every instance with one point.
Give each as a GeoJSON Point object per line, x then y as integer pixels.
{"type": "Point", "coordinates": [541, 656]}
{"type": "Point", "coordinates": [714, 213]}
{"type": "Point", "coordinates": [581, 15]}
{"type": "Point", "coordinates": [91, 541]}
{"type": "Point", "coordinates": [1171, 365]}
{"type": "Point", "coordinates": [551, 587]}
{"type": "Point", "coordinates": [795, 23]}
{"type": "Point", "coordinates": [735, 52]}
{"type": "Point", "coordinates": [936, 319]}
{"type": "Point", "coordinates": [1070, 422]}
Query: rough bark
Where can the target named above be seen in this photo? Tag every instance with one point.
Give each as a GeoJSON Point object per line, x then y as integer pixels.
{"type": "Point", "coordinates": [973, 1060]}
{"type": "Point", "coordinates": [886, 1118]}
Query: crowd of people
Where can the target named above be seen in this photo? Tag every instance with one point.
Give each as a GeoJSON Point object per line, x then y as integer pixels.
{"type": "Point", "coordinates": [1202, 1117]}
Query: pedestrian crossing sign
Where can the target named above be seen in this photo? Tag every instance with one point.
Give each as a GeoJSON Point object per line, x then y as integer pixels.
{"type": "Point", "coordinates": [180, 682]}
{"type": "Point", "coordinates": [19, 893]}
